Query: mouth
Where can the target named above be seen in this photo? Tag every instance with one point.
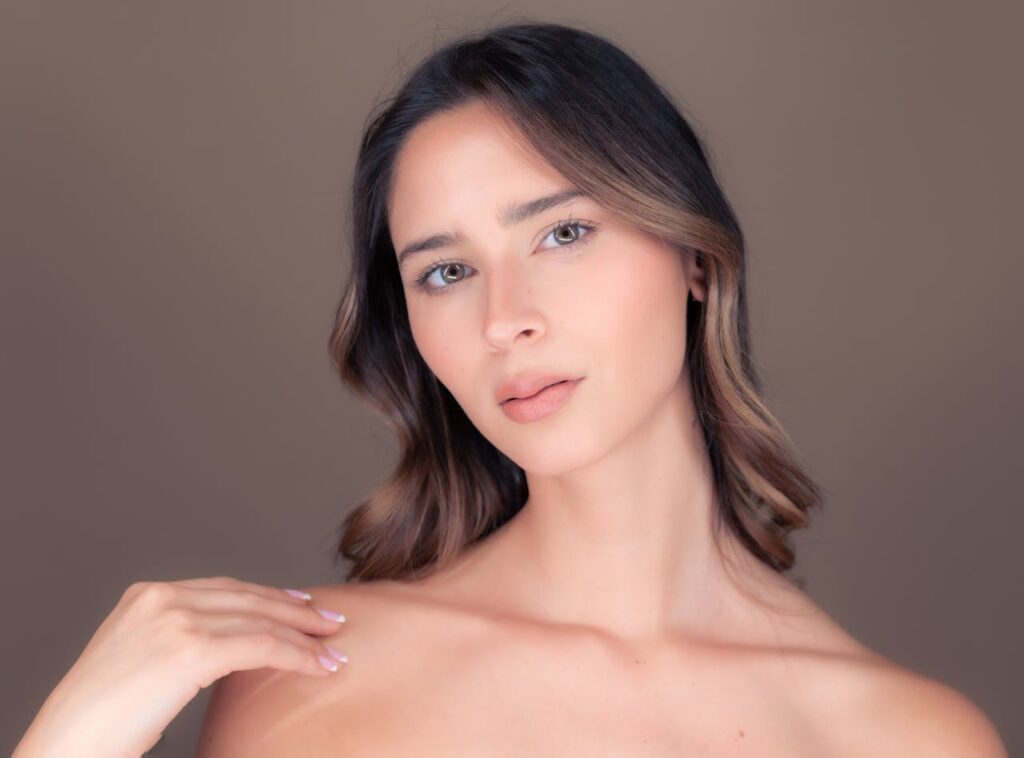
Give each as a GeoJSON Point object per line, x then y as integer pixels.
{"type": "Point", "coordinates": [542, 403]}
{"type": "Point", "coordinates": [527, 397]}
{"type": "Point", "coordinates": [527, 384]}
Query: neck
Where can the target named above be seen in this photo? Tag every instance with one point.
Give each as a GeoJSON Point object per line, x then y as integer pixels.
{"type": "Point", "coordinates": [623, 545]}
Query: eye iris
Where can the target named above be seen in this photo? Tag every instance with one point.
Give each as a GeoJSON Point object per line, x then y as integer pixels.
{"type": "Point", "coordinates": [449, 267]}
{"type": "Point", "coordinates": [572, 236]}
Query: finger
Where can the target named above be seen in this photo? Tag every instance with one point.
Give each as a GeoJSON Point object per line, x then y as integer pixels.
{"type": "Point", "coordinates": [225, 625]}
{"type": "Point", "coordinates": [304, 617]}
{"type": "Point", "coordinates": [270, 648]}
{"type": "Point", "coordinates": [228, 582]}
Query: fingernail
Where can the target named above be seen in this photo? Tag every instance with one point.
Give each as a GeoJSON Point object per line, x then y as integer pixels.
{"type": "Point", "coordinates": [300, 594]}
{"type": "Point", "coordinates": [337, 653]}
{"type": "Point", "coordinates": [330, 615]}
{"type": "Point", "coordinates": [328, 663]}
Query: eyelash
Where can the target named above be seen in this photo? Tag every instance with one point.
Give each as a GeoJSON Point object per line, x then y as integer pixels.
{"type": "Point", "coordinates": [421, 284]}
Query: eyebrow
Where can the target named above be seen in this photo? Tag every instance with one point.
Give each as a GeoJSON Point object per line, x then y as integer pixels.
{"type": "Point", "coordinates": [512, 214]}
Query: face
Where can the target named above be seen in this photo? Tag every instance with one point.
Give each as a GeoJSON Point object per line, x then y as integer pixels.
{"type": "Point", "coordinates": [572, 289]}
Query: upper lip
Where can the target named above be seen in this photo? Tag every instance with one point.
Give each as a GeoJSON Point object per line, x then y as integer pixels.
{"type": "Point", "coordinates": [528, 383]}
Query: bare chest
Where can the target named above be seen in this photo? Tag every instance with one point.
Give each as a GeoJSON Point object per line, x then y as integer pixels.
{"type": "Point", "coordinates": [521, 701]}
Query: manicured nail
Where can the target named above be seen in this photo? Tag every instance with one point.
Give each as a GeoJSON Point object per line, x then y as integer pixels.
{"type": "Point", "coordinates": [336, 653]}
{"type": "Point", "coordinates": [300, 594]}
{"type": "Point", "coordinates": [331, 615]}
{"type": "Point", "coordinates": [328, 663]}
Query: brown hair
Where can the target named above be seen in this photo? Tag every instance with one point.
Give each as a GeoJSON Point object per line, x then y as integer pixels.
{"type": "Point", "coordinates": [599, 119]}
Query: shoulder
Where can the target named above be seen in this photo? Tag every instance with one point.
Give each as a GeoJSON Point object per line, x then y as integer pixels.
{"type": "Point", "coordinates": [864, 703]}
{"type": "Point", "coordinates": [887, 709]}
{"type": "Point", "coordinates": [929, 717]}
{"type": "Point", "coordinates": [267, 711]}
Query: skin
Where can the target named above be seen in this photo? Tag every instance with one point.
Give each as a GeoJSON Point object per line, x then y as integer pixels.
{"type": "Point", "coordinates": [601, 619]}
{"type": "Point", "coordinates": [616, 534]}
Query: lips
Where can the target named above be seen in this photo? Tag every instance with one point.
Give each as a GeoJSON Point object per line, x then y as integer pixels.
{"type": "Point", "coordinates": [546, 402]}
{"type": "Point", "coordinates": [534, 394]}
{"type": "Point", "coordinates": [528, 384]}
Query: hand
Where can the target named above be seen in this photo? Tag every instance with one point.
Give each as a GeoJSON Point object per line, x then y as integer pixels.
{"type": "Point", "coordinates": [162, 643]}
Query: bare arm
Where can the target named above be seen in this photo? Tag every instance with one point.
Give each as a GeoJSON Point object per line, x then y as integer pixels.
{"type": "Point", "coordinates": [163, 643]}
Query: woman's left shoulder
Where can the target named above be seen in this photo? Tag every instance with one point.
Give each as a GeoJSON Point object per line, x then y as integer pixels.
{"type": "Point", "coordinates": [893, 710]}
{"type": "Point", "coordinates": [869, 704]}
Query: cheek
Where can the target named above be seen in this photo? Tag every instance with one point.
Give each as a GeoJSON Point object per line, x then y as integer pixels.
{"type": "Point", "coordinates": [634, 309]}
{"type": "Point", "coordinates": [437, 345]}
{"type": "Point", "coordinates": [449, 346]}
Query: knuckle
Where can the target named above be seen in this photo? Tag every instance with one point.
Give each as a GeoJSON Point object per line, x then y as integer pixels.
{"type": "Point", "coordinates": [156, 594]}
{"type": "Point", "coordinates": [134, 589]}
{"type": "Point", "coordinates": [150, 594]}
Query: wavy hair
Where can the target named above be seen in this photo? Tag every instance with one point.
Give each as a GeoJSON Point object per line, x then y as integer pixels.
{"type": "Point", "coordinates": [597, 117]}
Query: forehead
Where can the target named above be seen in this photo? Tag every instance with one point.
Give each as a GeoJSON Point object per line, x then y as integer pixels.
{"type": "Point", "coordinates": [465, 161]}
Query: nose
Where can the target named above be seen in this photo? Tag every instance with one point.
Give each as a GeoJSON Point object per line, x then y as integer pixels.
{"type": "Point", "coordinates": [511, 312]}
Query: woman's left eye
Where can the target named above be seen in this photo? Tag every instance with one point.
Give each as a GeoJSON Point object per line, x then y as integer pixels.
{"type": "Point", "coordinates": [572, 238]}
{"type": "Point", "coordinates": [558, 232]}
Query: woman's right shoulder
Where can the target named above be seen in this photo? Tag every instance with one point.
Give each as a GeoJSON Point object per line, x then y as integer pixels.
{"type": "Point", "coordinates": [268, 711]}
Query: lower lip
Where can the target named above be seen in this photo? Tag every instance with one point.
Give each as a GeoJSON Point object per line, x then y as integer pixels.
{"type": "Point", "coordinates": [544, 403]}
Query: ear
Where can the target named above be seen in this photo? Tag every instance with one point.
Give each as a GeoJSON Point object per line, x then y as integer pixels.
{"type": "Point", "coordinates": [696, 274]}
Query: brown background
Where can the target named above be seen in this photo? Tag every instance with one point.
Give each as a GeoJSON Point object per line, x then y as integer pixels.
{"type": "Point", "coordinates": [174, 187]}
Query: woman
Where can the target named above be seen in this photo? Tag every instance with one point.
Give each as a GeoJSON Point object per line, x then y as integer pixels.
{"type": "Point", "coordinates": [582, 550]}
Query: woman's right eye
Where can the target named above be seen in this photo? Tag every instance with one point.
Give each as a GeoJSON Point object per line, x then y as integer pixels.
{"type": "Point", "coordinates": [421, 281]}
